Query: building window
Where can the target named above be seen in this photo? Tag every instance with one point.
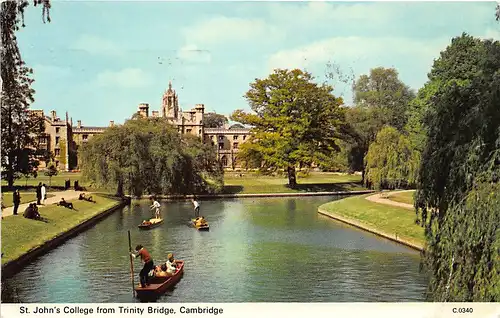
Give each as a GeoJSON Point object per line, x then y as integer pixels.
{"type": "Point", "coordinates": [199, 132]}
{"type": "Point", "coordinates": [235, 137]}
{"type": "Point", "coordinates": [188, 131]}
{"type": "Point", "coordinates": [221, 145]}
{"type": "Point", "coordinates": [235, 145]}
{"type": "Point", "coordinates": [224, 161]}
{"type": "Point", "coordinates": [57, 130]}
{"type": "Point", "coordinates": [57, 140]}
{"type": "Point", "coordinates": [213, 143]}
{"type": "Point", "coordinates": [57, 163]}
{"type": "Point", "coordinates": [57, 152]}
{"type": "Point", "coordinates": [221, 138]}
{"type": "Point", "coordinates": [244, 137]}
{"type": "Point", "coordinates": [85, 137]}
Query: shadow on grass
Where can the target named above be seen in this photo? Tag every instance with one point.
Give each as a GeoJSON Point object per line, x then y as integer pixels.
{"type": "Point", "coordinates": [306, 187]}
{"type": "Point", "coordinates": [232, 189]}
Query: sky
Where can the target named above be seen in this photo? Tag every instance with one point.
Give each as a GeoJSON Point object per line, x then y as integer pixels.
{"type": "Point", "coordinates": [99, 59]}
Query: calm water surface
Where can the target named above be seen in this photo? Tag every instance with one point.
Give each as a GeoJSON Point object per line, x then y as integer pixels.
{"type": "Point", "coordinates": [257, 250]}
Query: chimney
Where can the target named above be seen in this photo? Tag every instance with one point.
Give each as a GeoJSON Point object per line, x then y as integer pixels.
{"type": "Point", "coordinates": [78, 124]}
{"type": "Point", "coordinates": [53, 115]}
{"type": "Point", "coordinates": [111, 123]}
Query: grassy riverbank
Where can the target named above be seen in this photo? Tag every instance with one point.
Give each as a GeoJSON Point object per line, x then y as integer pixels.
{"type": "Point", "coordinates": [402, 197]}
{"type": "Point", "coordinates": [314, 182]}
{"type": "Point", "coordinates": [20, 235]}
{"type": "Point", "coordinates": [385, 218]}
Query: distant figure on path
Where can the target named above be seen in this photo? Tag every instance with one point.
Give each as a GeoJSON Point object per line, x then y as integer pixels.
{"type": "Point", "coordinates": [65, 204]}
{"type": "Point", "coordinates": [43, 191]}
{"type": "Point", "coordinates": [156, 207]}
{"type": "Point", "coordinates": [39, 193]}
{"type": "Point", "coordinates": [148, 264]}
{"type": "Point", "coordinates": [196, 207]}
{"type": "Point", "coordinates": [16, 199]}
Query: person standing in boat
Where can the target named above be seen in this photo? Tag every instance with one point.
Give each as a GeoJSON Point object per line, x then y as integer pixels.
{"type": "Point", "coordinates": [156, 207]}
{"type": "Point", "coordinates": [148, 264]}
{"type": "Point", "coordinates": [196, 207]}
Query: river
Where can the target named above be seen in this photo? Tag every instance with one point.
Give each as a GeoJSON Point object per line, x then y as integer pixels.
{"type": "Point", "coordinates": [257, 250]}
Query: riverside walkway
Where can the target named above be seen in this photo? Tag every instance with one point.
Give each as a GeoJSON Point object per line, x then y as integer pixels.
{"type": "Point", "coordinates": [57, 196]}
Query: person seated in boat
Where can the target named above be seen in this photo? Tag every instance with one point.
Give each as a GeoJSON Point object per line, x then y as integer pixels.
{"type": "Point", "coordinates": [200, 221]}
{"type": "Point", "coordinates": [65, 204]}
{"type": "Point", "coordinates": [170, 265]}
{"type": "Point", "coordinates": [83, 197]}
{"type": "Point", "coordinates": [161, 271]}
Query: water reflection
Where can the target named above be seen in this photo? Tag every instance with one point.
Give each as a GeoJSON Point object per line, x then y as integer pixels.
{"type": "Point", "coordinates": [268, 250]}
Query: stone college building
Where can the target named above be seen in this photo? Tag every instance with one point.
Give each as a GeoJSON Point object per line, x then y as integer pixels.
{"type": "Point", "coordinates": [63, 139]}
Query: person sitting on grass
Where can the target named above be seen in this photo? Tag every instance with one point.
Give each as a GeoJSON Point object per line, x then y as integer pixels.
{"type": "Point", "coordinates": [65, 204]}
{"type": "Point", "coordinates": [83, 197]}
{"type": "Point", "coordinates": [31, 212]}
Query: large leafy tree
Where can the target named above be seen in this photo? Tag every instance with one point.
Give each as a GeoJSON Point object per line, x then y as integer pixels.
{"type": "Point", "coordinates": [295, 121]}
{"type": "Point", "coordinates": [149, 156]}
{"type": "Point", "coordinates": [213, 120]}
{"type": "Point", "coordinates": [19, 127]}
{"type": "Point", "coordinates": [383, 90]}
{"type": "Point", "coordinates": [459, 190]}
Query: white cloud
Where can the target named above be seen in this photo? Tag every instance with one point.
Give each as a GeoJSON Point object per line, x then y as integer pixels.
{"type": "Point", "coordinates": [95, 45]}
{"type": "Point", "coordinates": [223, 29]}
{"type": "Point", "coordinates": [126, 78]}
{"type": "Point", "coordinates": [191, 53]}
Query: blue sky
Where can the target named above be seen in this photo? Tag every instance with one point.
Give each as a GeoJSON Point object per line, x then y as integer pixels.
{"type": "Point", "coordinates": [98, 60]}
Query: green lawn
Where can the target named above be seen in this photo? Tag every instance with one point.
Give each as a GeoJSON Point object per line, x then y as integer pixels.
{"type": "Point", "coordinates": [26, 196]}
{"type": "Point", "coordinates": [19, 235]}
{"type": "Point", "coordinates": [316, 182]}
{"type": "Point", "coordinates": [389, 219]}
{"type": "Point", "coordinates": [403, 197]}
{"type": "Point", "coordinates": [56, 180]}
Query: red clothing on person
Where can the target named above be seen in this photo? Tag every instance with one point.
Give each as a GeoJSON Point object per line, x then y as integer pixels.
{"type": "Point", "coordinates": [145, 257]}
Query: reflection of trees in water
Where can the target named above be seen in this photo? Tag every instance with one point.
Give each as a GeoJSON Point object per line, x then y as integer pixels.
{"type": "Point", "coordinates": [9, 293]}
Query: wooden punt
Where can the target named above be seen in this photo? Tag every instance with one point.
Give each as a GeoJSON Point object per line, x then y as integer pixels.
{"type": "Point", "coordinates": [151, 223]}
{"type": "Point", "coordinates": [159, 285]}
{"type": "Point", "coordinates": [204, 227]}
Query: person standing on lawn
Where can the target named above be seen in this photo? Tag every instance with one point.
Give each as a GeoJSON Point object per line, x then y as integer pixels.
{"type": "Point", "coordinates": [16, 199]}
{"type": "Point", "coordinates": [39, 194]}
{"type": "Point", "coordinates": [43, 191]}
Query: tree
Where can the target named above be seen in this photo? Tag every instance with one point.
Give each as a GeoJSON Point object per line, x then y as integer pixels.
{"type": "Point", "coordinates": [458, 195]}
{"type": "Point", "coordinates": [295, 121]}
{"type": "Point", "coordinates": [213, 120]}
{"type": "Point", "coordinates": [18, 126]}
{"type": "Point", "coordinates": [147, 155]}
{"type": "Point", "coordinates": [50, 172]}
{"type": "Point", "coordinates": [383, 89]}
{"type": "Point", "coordinates": [391, 162]}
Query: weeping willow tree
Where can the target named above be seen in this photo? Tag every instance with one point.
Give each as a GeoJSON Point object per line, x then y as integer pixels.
{"type": "Point", "coordinates": [149, 156]}
{"type": "Point", "coordinates": [391, 161]}
{"type": "Point", "coordinates": [458, 200]}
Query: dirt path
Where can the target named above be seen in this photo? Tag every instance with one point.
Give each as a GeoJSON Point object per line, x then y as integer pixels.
{"type": "Point", "coordinates": [67, 195]}
{"type": "Point", "coordinates": [381, 198]}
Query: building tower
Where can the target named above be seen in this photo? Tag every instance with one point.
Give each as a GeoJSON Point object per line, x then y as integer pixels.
{"type": "Point", "coordinates": [170, 103]}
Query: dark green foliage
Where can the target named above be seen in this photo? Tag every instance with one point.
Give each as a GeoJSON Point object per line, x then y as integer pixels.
{"type": "Point", "coordinates": [213, 120]}
{"type": "Point", "coordinates": [149, 156]}
{"type": "Point", "coordinates": [295, 122]}
{"type": "Point", "coordinates": [460, 168]}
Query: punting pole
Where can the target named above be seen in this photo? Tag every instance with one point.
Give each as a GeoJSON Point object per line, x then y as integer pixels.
{"type": "Point", "coordinates": [131, 263]}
